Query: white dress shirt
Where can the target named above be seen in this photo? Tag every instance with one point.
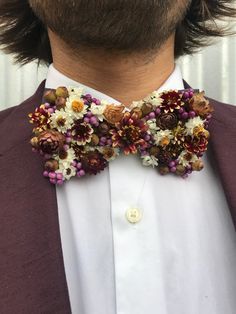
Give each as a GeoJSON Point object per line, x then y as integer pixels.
{"type": "Point", "coordinates": [178, 258]}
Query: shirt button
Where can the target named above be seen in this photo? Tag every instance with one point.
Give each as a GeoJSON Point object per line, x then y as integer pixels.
{"type": "Point", "coordinates": [133, 215]}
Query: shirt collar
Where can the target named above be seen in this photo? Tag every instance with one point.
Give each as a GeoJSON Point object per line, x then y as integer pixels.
{"type": "Point", "coordinates": [56, 78]}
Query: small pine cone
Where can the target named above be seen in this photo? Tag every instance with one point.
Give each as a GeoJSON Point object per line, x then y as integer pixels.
{"type": "Point", "coordinates": [167, 121]}
{"type": "Point", "coordinates": [50, 141]}
{"type": "Point", "coordinates": [164, 157]}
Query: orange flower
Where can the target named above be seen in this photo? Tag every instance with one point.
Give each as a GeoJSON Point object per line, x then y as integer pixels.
{"type": "Point", "coordinates": [77, 105]}
{"type": "Point", "coordinates": [200, 131]}
{"type": "Point", "coordinates": [113, 113]}
{"type": "Point", "coordinates": [165, 141]}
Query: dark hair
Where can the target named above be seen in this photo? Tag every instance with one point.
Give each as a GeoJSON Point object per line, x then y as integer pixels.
{"type": "Point", "coordinates": [23, 34]}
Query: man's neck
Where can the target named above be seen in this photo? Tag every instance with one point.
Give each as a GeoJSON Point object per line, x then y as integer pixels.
{"type": "Point", "coordinates": [125, 78]}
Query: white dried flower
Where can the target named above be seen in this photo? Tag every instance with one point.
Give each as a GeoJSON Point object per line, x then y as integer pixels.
{"type": "Point", "coordinates": [150, 161]}
{"type": "Point", "coordinates": [192, 123]}
{"type": "Point", "coordinates": [61, 120]}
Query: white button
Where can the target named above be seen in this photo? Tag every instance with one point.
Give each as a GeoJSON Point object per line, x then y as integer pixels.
{"type": "Point", "coordinates": [133, 215]}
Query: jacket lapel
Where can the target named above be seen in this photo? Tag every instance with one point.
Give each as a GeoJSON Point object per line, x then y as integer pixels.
{"type": "Point", "coordinates": [223, 144]}
{"type": "Point", "coordinates": [31, 265]}
{"type": "Point", "coordinates": [31, 253]}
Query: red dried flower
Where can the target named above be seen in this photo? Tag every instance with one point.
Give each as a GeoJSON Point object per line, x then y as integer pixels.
{"type": "Point", "coordinates": [196, 145]}
{"type": "Point", "coordinates": [93, 162]}
{"type": "Point", "coordinates": [82, 132]}
{"type": "Point", "coordinates": [41, 118]}
{"type": "Point", "coordinates": [129, 134]}
{"type": "Point", "coordinates": [172, 100]}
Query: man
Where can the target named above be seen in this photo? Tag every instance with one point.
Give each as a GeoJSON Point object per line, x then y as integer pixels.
{"type": "Point", "coordinates": [127, 240]}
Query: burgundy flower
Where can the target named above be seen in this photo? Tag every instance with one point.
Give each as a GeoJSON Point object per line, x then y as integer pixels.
{"type": "Point", "coordinates": [50, 142]}
{"type": "Point", "coordinates": [167, 121]}
{"type": "Point", "coordinates": [196, 145]}
{"type": "Point", "coordinates": [82, 132]}
{"type": "Point", "coordinates": [172, 100]}
{"type": "Point", "coordinates": [41, 118]}
{"type": "Point", "coordinates": [129, 134]}
{"type": "Point", "coordinates": [78, 149]}
{"type": "Point", "coordinates": [93, 162]}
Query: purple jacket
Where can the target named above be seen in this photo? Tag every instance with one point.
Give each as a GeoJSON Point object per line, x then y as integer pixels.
{"type": "Point", "coordinates": [32, 275]}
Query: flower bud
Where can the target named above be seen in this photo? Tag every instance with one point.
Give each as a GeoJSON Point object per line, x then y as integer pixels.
{"type": "Point", "coordinates": [163, 170]}
{"type": "Point", "coordinates": [94, 139]}
{"type": "Point", "coordinates": [138, 112]}
{"type": "Point", "coordinates": [180, 170]}
{"type": "Point", "coordinates": [60, 102]}
{"type": "Point", "coordinates": [62, 92]}
{"type": "Point", "coordinates": [197, 165]}
{"type": "Point", "coordinates": [154, 151]}
{"type": "Point", "coordinates": [146, 108]}
{"type": "Point", "coordinates": [50, 96]}
{"type": "Point", "coordinates": [103, 128]}
{"type": "Point", "coordinates": [34, 142]}
{"type": "Point", "coordinates": [63, 154]}
{"type": "Point", "coordinates": [51, 165]}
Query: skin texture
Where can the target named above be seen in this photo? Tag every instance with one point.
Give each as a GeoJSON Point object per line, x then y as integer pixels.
{"type": "Point", "coordinates": [125, 78]}
{"type": "Point", "coordinates": [122, 48]}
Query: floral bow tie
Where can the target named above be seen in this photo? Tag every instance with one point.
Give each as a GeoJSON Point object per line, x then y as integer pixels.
{"type": "Point", "coordinates": [78, 135]}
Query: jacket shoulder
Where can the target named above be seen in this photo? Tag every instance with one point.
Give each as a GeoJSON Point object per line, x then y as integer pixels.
{"type": "Point", "coordinates": [26, 106]}
{"type": "Point", "coordinates": [225, 106]}
{"type": "Point", "coordinates": [14, 121]}
{"type": "Point", "coordinates": [224, 112]}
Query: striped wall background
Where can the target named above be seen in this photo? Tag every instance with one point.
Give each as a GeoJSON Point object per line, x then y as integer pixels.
{"type": "Point", "coordinates": [213, 70]}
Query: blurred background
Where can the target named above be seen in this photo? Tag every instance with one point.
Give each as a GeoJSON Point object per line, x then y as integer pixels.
{"type": "Point", "coordinates": [212, 70]}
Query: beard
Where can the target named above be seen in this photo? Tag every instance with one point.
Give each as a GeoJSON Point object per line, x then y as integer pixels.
{"type": "Point", "coordinates": [124, 26]}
